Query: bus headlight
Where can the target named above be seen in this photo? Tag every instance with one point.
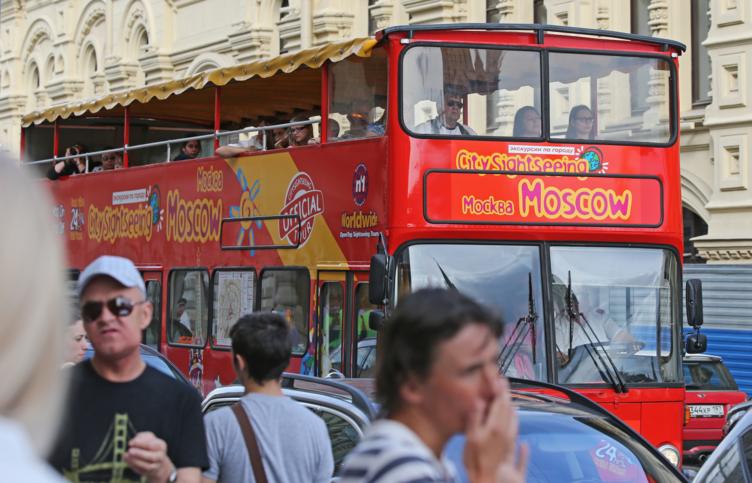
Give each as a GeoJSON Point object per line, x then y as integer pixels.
{"type": "Point", "coordinates": [670, 453]}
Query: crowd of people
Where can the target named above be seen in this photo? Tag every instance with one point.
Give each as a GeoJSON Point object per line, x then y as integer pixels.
{"type": "Point", "coordinates": [122, 420]}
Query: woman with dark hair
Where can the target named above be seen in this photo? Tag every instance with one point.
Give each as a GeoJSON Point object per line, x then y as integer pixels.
{"type": "Point", "coordinates": [300, 135]}
{"type": "Point", "coordinates": [581, 123]}
{"type": "Point", "coordinates": [527, 123]}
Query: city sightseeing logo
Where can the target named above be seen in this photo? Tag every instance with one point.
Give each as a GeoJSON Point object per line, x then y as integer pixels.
{"type": "Point", "coordinates": [305, 202]}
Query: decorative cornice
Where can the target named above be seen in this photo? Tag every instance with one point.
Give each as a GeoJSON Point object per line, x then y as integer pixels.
{"type": "Point", "coordinates": [39, 31]}
{"type": "Point", "coordinates": [95, 17]}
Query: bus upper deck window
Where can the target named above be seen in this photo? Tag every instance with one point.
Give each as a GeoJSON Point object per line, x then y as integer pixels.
{"type": "Point", "coordinates": [463, 91]}
{"type": "Point", "coordinates": [357, 97]}
{"type": "Point", "coordinates": [584, 107]}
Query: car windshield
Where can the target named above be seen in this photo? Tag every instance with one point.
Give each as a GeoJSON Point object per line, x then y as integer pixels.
{"type": "Point", "coordinates": [613, 309]}
{"type": "Point", "coordinates": [708, 375]}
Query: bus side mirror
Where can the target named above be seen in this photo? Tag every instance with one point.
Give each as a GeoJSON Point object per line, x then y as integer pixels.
{"type": "Point", "coordinates": [696, 343]}
{"type": "Point", "coordinates": [694, 302]}
{"type": "Point", "coordinates": [376, 320]}
{"type": "Point", "coordinates": [377, 280]}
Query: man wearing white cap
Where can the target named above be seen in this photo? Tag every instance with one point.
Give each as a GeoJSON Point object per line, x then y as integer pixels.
{"type": "Point", "coordinates": [125, 420]}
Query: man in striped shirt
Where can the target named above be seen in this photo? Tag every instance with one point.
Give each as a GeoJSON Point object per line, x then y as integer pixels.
{"type": "Point", "coordinates": [437, 375]}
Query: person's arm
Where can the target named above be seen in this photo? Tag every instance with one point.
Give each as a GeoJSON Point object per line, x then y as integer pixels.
{"type": "Point", "coordinates": [232, 151]}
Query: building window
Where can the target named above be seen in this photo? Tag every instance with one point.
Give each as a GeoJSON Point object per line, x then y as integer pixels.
{"type": "Point", "coordinates": [540, 14]}
{"type": "Point", "coordinates": [372, 23]}
{"type": "Point", "coordinates": [693, 226]}
{"type": "Point", "coordinates": [700, 58]}
{"type": "Point", "coordinates": [492, 11]}
{"type": "Point", "coordinates": [640, 17]}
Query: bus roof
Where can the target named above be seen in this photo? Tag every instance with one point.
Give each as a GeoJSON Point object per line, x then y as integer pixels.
{"type": "Point", "coordinates": [313, 58]}
{"type": "Point", "coordinates": [539, 29]}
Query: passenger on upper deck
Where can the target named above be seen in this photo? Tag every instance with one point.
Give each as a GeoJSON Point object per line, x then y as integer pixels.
{"type": "Point", "coordinates": [190, 150]}
{"type": "Point", "coordinates": [300, 135]}
{"type": "Point", "coordinates": [581, 123]}
{"type": "Point", "coordinates": [332, 131]}
{"type": "Point", "coordinates": [447, 122]}
{"type": "Point", "coordinates": [527, 123]}
{"type": "Point", "coordinates": [110, 161]}
{"type": "Point", "coordinates": [254, 144]}
{"type": "Point", "coordinates": [71, 166]}
{"type": "Point", "coordinates": [358, 119]}
{"type": "Point", "coordinates": [376, 122]}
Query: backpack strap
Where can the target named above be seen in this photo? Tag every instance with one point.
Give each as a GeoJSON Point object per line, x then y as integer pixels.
{"type": "Point", "coordinates": [250, 442]}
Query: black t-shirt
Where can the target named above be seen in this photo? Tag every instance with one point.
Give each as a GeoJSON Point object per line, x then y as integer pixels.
{"type": "Point", "coordinates": [102, 416]}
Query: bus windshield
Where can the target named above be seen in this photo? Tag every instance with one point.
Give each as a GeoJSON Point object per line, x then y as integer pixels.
{"type": "Point", "coordinates": [493, 92]}
{"type": "Point", "coordinates": [612, 312]}
{"type": "Point", "coordinates": [505, 277]}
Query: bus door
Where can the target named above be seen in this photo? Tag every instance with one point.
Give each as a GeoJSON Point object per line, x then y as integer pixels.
{"type": "Point", "coordinates": [332, 313]}
{"type": "Point", "coordinates": [346, 344]}
{"type": "Point", "coordinates": [362, 358]}
{"type": "Point", "coordinates": [152, 335]}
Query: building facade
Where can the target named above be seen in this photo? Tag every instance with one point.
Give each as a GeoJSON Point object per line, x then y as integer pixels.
{"type": "Point", "coordinates": [58, 51]}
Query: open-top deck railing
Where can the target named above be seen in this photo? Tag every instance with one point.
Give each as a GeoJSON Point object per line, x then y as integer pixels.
{"type": "Point", "coordinates": [214, 136]}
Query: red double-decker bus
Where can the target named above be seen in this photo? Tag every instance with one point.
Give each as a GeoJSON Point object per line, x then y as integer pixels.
{"type": "Point", "coordinates": [535, 168]}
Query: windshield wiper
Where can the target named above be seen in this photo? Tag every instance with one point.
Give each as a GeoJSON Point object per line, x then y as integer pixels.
{"type": "Point", "coordinates": [450, 285]}
{"type": "Point", "coordinates": [525, 325]}
{"type": "Point", "coordinates": [608, 371]}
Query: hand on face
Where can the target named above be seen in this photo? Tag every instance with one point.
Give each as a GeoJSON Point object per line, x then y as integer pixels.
{"type": "Point", "coordinates": [491, 440]}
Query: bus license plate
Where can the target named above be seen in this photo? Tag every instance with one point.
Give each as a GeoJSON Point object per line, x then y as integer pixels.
{"type": "Point", "coordinates": [705, 411]}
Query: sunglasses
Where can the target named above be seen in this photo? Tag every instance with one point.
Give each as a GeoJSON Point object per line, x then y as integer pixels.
{"type": "Point", "coordinates": [118, 306]}
{"type": "Point", "coordinates": [452, 103]}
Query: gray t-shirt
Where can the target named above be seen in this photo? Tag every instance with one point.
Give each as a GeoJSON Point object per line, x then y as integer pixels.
{"type": "Point", "coordinates": [293, 441]}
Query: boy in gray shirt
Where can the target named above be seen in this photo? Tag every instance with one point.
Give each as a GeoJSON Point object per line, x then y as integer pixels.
{"type": "Point", "coordinates": [293, 442]}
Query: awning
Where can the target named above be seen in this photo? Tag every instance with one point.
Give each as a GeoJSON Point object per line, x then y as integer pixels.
{"type": "Point", "coordinates": [313, 58]}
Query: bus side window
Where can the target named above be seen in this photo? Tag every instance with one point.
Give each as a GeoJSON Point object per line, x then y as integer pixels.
{"type": "Point", "coordinates": [189, 307]}
{"type": "Point", "coordinates": [357, 97]}
{"type": "Point", "coordinates": [285, 292]}
{"type": "Point", "coordinates": [234, 296]}
{"type": "Point", "coordinates": [152, 332]}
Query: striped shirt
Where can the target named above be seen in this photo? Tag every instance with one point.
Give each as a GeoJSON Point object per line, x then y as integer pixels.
{"type": "Point", "coordinates": [391, 452]}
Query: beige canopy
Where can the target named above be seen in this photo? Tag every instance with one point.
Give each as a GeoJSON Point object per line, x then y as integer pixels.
{"type": "Point", "coordinates": [197, 104]}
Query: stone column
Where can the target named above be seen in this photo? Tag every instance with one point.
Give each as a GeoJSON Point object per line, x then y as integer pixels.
{"type": "Point", "coordinates": [729, 119]}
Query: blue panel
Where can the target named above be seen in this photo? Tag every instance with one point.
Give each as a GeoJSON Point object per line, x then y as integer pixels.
{"type": "Point", "coordinates": [735, 347]}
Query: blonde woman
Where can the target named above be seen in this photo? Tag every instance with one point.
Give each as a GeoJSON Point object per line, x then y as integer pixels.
{"type": "Point", "coordinates": [33, 311]}
{"type": "Point", "coordinates": [77, 343]}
